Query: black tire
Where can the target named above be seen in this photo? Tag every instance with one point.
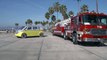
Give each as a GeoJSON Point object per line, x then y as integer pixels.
{"type": "Point", "coordinates": [24, 35]}
{"type": "Point", "coordinates": [53, 34]}
{"type": "Point", "coordinates": [41, 34]}
{"type": "Point", "coordinates": [74, 38]}
{"type": "Point", "coordinates": [100, 43]}
{"type": "Point", "coordinates": [65, 37]}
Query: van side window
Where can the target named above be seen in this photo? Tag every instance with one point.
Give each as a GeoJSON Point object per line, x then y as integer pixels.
{"type": "Point", "coordinates": [34, 28]}
{"type": "Point", "coordinates": [29, 28]}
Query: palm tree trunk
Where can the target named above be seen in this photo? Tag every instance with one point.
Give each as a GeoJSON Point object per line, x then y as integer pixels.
{"type": "Point", "coordinates": [57, 15]}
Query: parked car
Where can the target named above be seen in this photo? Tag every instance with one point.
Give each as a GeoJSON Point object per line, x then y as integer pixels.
{"type": "Point", "coordinates": [28, 31]}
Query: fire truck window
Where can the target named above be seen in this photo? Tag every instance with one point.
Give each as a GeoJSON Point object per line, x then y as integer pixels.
{"type": "Point", "coordinates": [79, 19]}
{"type": "Point", "coordinates": [92, 19]}
{"type": "Point", "coordinates": [104, 21]}
{"type": "Point", "coordinates": [75, 20]}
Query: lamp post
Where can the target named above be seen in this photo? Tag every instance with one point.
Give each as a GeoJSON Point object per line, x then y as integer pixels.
{"type": "Point", "coordinates": [78, 5]}
{"type": "Point", "coordinates": [97, 6]}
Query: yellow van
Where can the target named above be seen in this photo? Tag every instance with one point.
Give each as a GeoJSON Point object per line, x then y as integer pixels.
{"type": "Point", "coordinates": [28, 31]}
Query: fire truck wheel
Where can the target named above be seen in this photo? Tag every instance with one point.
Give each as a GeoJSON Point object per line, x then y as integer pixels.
{"type": "Point", "coordinates": [74, 38]}
{"type": "Point", "coordinates": [65, 37]}
{"type": "Point", "coordinates": [53, 34]}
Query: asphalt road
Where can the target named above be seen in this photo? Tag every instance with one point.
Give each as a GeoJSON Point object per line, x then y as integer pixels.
{"type": "Point", "coordinates": [47, 48]}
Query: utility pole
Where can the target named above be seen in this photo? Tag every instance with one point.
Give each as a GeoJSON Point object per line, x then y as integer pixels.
{"type": "Point", "coordinates": [97, 6]}
{"type": "Point", "coordinates": [78, 7]}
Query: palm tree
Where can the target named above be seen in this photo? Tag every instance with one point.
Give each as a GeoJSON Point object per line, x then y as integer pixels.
{"type": "Point", "coordinates": [51, 23]}
{"type": "Point", "coordinates": [63, 11]}
{"type": "Point", "coordinates": [26, 23]}
{"type": "Point", "coordinates": [36, 22]}
{"type": "Point", "coordinates": [43, 23]}
{"type": "Point", "coordinates": [57, 8]}
{"type": "Point", "coordinates": [84, 8]}
{"type": "Point", "coordinates": [51, 10]}
{"type": "Point", "coordinates": [47, 15]}
{"type": "Point", "coordinates": [16, 24]}
{"type": "Point", "coordinates": [70, 13]}
{"type": "Point", "coordinates": [65, 16]}
{"type": "Point", "coordinates": [58, 20]}
{"type": "Point", "coordinates": [53, 18]}
{"type": "Point", "coordinates": [29, 22]}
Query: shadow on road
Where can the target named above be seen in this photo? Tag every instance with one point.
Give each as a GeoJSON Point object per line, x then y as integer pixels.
{"type": "Point", "coordinates": [93, 44]}
{"type": "Point", "coordinates": [34, 36]}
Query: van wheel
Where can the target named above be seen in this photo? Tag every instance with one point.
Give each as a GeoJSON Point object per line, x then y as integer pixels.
{"type": "Point", "coordinates": [24, 35]}
{"type": "Point", "coordinates": [41, 34]}
{"type": "Point", "coordinates": [74, 38]}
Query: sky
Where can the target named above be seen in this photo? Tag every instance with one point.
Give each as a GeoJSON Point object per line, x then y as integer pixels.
{"type": "Point", "coordinates": [18, 11]}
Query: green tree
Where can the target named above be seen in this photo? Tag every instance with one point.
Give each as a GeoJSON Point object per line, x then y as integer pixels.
{"type": "Point", "coordinates": [26, 22]}
{"type": "Point", "coordinates": [53, 18]}
{"type": "Point", "coordinates": [29, 22]}
{"type": "Point", "coordinates": [84, 8]}
{"type": "Point", "coordinates": [47, 15]}
{"type": "Point", "coordinates": [63, 11]}
{"type": "Point", "coordinates": [51, 10]}
{"type": "Point", "coordinates": [78, 0]}
{"type": "Point", "coordinates": [36, 22]}
{"type": "Point", "coordinates": [43, 23]}
{"type": "Point", "coordinates": [58, 20]}
{"type": "Point", "coordinates": [65, 16]}
{"type": "Point", "coordinates": [70, 13]}
{"type": "Point", "coordinates": [16, 24]}
{"type": "Point", "coordinates": [57, 8]}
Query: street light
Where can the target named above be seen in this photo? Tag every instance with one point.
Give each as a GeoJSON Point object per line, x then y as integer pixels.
{"type": "Point", "coordinates": [97, 6]}
{"type": "Point", "coordinates": [78, 5]}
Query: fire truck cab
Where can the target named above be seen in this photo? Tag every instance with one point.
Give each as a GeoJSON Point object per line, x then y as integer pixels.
{"type": "Point", "coordinates": [88, 27]}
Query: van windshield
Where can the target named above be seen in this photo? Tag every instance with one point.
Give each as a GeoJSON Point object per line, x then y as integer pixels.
{"type": "Point", "coordinates": [95, 20]}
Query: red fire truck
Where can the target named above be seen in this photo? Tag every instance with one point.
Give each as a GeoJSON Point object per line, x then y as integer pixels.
{"type": "Point", "coordinates": [87, 27]}
{"type": "Point", "coordinates": [59, 27]}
